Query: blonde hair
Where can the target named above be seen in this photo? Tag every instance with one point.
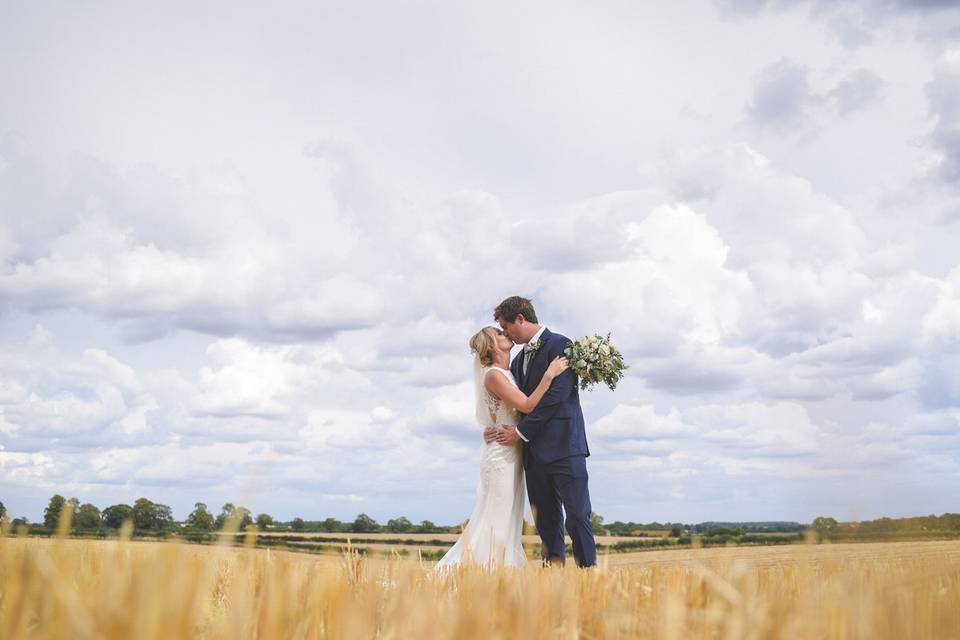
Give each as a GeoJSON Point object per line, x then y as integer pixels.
{"type": "Point", "coordinates": [483, 344]}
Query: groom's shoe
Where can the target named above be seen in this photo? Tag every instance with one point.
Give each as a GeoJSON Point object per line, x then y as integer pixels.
{"type": "Point", "coordinates": [554, 561]}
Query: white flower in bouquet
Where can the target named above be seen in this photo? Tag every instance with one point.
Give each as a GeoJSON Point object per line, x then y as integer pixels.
{"type": "Point", "coordinates": [595, 360]}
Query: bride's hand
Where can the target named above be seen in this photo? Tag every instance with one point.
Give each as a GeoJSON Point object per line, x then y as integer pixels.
{"type": "Point", "coordinates": [558, 366]}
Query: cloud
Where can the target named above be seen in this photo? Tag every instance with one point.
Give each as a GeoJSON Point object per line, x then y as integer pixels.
{"type": "Point", "coordinates": [782, 97]}
{"type": "Point", "coordinates": [752, 7]}
{"type": "Point", "coordinates": [254, 265]}
{"type": "Point", "coordinates": [943, 92]}
{"type": "Point", "coordinates": [859, 90]}
{"type": "Point", "coordinates": [856, 23]}
{"type": "Point", "coordinates": [941, 324]}
{"type": "Point", "coordinates": [83, 402]}
{"type": "Point", "coordinates": [785, 100]}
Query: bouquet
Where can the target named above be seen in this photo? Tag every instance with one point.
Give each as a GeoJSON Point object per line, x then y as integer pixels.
{"type": "Point", "coordinates": [595, 360]}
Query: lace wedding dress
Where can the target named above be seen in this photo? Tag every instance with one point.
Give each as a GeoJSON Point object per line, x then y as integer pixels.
{"type": "Point", "coordinates": [493, 535]}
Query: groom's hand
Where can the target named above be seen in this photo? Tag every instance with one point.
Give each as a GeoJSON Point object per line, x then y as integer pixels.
{"type": "Point", "coordinates": [490, 434]}
{"type": "Point", "coordinates": [508, 436]}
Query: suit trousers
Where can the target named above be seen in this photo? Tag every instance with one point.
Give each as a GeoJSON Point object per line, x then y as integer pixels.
{"type": "Point", "coordinates": [556, 489]}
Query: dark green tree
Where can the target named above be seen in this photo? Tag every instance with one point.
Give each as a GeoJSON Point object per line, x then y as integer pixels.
{"type": "Point", "coordinates": [825, 527]}
{"type": "Point", "coordinates": [51, 515]}
{"type": "Point", "coordinates": [143, 514]}
{"type": "Point", "coordinates": [88, 517]}
{"type": "Point", "coordinates": [3, 512]}
{"type": "Point", "coordinates": [332, 525]}
{"type": "Point", "coordinates": [264, 521]}
{"type": "Point", "coordinates": [200, 518]}
{"type": "Point", "coordinates": [163, 517]}
{"type": "Point", "coordinates": [225, 512]}
{"type": "Point", "coordinates": [427, 527]}
{"type": "Point", "coordinates": [399, 525]}
{"type": "Point", "coordinates": [364, 524]}
{"type": "Point", "coordinates": [150, 516]}
{"type": "Point", "coordinates": [297, 524]}
{"type": "Point", "coordinates": [951, 521]}
{"type": "Point", "coordinates": [115, 515]}
{"type": "Point", "coordinates": [232, 512]}
{"type": "Point", "coordinates": [246, 517]}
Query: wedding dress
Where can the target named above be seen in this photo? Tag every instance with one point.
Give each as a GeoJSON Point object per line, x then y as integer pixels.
{"type": "Point", "coordinates": [493, 536]}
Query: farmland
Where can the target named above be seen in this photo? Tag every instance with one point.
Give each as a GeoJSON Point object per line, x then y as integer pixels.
{"type": "Point", "coordinates": [67, 588]}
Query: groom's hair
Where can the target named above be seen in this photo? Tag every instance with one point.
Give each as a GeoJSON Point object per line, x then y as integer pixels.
{"type": "Point", "coordinates": [513, 306]}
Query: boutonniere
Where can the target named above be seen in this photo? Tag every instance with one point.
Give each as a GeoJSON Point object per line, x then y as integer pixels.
{"type": "Point", "coordinates": [532, 347]}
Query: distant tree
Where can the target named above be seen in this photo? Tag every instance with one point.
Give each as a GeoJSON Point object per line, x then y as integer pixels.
{"type": "Point", "coordinates": [427, 527]}
{"type": "Point", "coordinates": [150, 516]}
{"type": "Point", "coordinates": [951, 521]}
{"type": "Point", "coordinates": [115, 515]}
{"type": "Point", "coordinates": [264, 521]}
{"type": "Point", "coordinates": [399, 525]}
{"type": "Point", "coordinates": [200, 518]}
{"type": "Point", "coordinates": [163, 516]}
{"type": "Point", "coordinates": [332, 525]}
{"type": "Point", "coordinates": [245, 516]}
{"type": "Point", "coordinates": [596, 522]}
{"type": "Point", "coordinates": [824, 526]}
{"type": "Point", "coordinates": [88, 517]}
{"type": "Point", "coordinates": [297, 524]}
{"type": "Point", "coordinates": [364, 524]}
{"type": "Point", "coordinates": [621, 528]}
{"type": "Point", "coordinates": [142, 514]}
{"type": "Point", "coordinates": [676, 531]}
{"type": "Point", "coordinates": [22, 520]}
{"type": "Point", "coordinates": [882, 524]}
{"type": "Point", "coordinates": [74, 504]}
{"type": "Point", "coordinates": [51, 515]}
{"type": "Point", "coordinates": [233, 512]}
{"type": "Point", "coordinates": [225, 512]}
{"type": "Point", "coordinates": [3, 512]}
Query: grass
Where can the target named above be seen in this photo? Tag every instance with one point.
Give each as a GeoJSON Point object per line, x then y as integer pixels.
{"type": "Point", "coordinates": [66, 588]}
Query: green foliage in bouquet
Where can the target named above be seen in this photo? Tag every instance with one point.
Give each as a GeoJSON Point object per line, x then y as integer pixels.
{"type": "Point", "coordinates": [595, 360]}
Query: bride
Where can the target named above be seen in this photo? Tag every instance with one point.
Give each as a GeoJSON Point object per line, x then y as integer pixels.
{"type": "Point", "coordinates": [493, 535]}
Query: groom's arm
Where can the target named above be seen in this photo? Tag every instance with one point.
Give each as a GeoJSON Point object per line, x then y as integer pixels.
{"type": "Point", "coordinates": [533, 423]}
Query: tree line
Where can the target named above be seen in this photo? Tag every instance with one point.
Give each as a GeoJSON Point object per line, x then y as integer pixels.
{"type": "Point", "coordinates": [827, 527]}
{"type": "Point", "coordinates": [149, 516]}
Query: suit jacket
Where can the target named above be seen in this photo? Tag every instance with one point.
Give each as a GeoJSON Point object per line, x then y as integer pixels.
{"type": "Point", "coordinates": [554, 429]}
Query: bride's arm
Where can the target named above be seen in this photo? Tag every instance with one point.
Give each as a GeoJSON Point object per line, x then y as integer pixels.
{"type": "Point", "coordinates": [502, 389]}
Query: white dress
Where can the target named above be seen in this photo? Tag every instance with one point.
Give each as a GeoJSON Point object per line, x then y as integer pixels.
{"type": "Point", "coordinates": [493, 536]}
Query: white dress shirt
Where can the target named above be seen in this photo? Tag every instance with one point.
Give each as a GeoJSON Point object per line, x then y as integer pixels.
{"type": "Point", "coordinates": [524, 364]}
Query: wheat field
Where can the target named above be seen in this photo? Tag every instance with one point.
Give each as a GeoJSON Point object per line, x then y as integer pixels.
{"type": "Point", "coordinates": [63, 588]}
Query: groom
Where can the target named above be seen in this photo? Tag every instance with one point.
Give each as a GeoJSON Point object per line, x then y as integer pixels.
{"type": "Point", "coordinates": [555, 445]}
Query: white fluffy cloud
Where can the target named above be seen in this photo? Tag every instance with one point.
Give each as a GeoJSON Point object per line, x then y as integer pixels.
{"type": "Point", "coordinates": [250, 269]}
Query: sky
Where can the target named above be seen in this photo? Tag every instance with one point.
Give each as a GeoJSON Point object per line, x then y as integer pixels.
{"type": "Point", "coordinates": [243, 248]}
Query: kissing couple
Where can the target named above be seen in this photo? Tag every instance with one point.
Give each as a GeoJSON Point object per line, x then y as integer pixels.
{"type": "Point", "coordinates": [534, 444]}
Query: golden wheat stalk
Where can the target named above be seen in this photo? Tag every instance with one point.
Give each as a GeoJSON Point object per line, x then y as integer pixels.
{"type": "Point", "coordinates": [63, 588]}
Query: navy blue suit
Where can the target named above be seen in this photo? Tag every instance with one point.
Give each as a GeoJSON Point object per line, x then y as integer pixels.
{"type": "Point", "coordinates": [554, 456]}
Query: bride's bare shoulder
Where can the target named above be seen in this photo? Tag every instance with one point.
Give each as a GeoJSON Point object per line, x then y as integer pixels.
{"type": "Point", "coordinates": [495, 379]}
{"type": "Point", "coordinates": [491, 371]}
